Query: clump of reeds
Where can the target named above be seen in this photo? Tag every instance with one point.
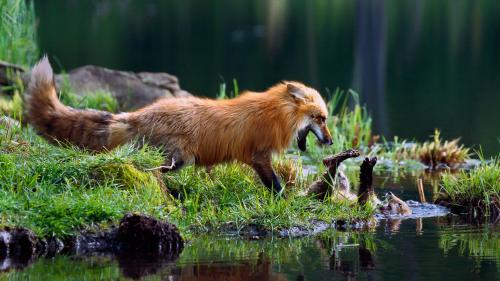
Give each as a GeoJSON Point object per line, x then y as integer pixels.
{"type": "Point", "coordinates": [436, 153]}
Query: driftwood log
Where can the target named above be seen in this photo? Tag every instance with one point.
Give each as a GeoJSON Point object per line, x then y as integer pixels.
{"type": "Point", "coordinates": [322, 187]}
{"type": "Point", "coordinates": [365, 191]}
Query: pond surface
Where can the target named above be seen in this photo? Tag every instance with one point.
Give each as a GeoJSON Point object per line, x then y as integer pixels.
{"type": "Point", "coordinates": [439, 248]}
{"type": "Point", "coordinates": [426, 249]}
{"type": "Point", "coordinates": [418, 65]}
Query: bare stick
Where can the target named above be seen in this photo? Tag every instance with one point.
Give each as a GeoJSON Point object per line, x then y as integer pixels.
{"type": "Point", "coordinates": [420, 187]}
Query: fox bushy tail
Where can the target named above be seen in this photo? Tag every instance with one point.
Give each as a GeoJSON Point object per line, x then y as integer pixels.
{"type": "Point", "coordinates": [90, 129]}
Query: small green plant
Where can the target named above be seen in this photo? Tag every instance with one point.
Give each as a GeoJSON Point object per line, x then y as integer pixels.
{"type": "Point", "coordinates": [477, 191]}
{"type": "Point", "coordinates": [102, 100]}
{"type": "Point", "coordinates": [354, 125]}
{"type": "Point", "coordinates": [12, 106]}
{"type": "Point", "coordinates": [222, 94]}
{"type": "Point", "coordinates": [99, 99]}
{"type": "Point", "coordinates": [287, 169]}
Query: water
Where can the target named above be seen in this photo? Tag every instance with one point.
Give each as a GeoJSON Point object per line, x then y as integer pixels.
{"type": "Point", "coordinates": [418, 65]}
{"type": "Point", "coordinates": [426, 249]}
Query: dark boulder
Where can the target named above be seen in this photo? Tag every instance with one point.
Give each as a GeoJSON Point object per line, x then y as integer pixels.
{"type": "Point", "coordinates": [144, 233]}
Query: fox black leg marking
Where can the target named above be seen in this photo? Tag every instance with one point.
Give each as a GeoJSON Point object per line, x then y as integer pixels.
{"type": "Point", "coordinates": [262, 166]}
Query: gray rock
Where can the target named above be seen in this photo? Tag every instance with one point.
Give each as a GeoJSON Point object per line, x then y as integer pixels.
{"type": "Point", "coordinates": [132, 90]}
{"type": "Point", "coordinates": [7, 70]}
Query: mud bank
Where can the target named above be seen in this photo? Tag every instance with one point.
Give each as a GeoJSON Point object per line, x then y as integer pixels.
{"type": "Point", "coordinates": [135, 234]}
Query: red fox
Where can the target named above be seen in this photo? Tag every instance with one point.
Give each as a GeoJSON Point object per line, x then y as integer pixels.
{"type": "Point", "coordinates": [191, 130]}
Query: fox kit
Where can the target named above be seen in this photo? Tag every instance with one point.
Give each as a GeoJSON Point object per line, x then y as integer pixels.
{"type": "Point", "coordinates": [191, 130]}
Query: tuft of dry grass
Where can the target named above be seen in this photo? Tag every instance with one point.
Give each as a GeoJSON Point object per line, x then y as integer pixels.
{"type": "Point", "coordinates": [436, 153]}
{"type": "Point", "coordinates": [287, 170]}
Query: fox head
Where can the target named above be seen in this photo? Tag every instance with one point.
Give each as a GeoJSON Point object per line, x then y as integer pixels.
{"type": "Point", "coordinates": [312, 113]}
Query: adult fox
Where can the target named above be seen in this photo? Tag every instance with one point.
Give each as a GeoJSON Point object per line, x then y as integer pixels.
{"type": "Point", "coordinates": [191, 130]}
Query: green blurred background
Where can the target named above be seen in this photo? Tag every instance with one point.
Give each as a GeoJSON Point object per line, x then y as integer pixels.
{"type": "Point", "coordinates": [418, 65]}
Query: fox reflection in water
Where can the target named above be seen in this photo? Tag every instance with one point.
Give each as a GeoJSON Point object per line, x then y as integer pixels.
{"type": "Point", "coordinates": [343, 259]}
{"type": "Point", "coordinates": [261, 269]}
{"type": "Point", "coordinates": [137, 266]}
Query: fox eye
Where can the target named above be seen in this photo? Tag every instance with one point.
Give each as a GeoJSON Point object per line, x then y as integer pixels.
{"type": "Point", "coordinates": [319, 118]}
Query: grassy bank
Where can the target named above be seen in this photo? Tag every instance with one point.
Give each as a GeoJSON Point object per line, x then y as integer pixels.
{"type": "Point", "coordinates": [475, 192]}
{"type": "Point", "coordinates": [56, 190]}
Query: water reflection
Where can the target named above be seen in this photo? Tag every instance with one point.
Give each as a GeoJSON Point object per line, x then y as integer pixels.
{"type": "Point", "coordinates": [426, 249]}
{"type": "Point", "coordinates": [259, 269]}
{"type": "Point", "coordinates": [136, 265]}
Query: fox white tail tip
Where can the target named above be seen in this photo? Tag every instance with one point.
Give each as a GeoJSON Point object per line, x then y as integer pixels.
{"type": "Point", "coordinates": [42, 71]}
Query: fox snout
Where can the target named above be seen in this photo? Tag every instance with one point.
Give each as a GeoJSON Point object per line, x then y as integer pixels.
{"type": "Point", "coordinates": [321, 132]}
{"type": "Point", "coordinates": [326, 137]}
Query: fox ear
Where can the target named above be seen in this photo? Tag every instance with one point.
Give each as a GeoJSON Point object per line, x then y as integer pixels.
{"type": "Point", "coordinates": [295, 91]}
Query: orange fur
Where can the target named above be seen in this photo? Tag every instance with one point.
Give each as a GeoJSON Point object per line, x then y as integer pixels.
{"type": "Point", "coordinates": [248, 128]}
{"type": "Point", "coordinates": [214, 131]}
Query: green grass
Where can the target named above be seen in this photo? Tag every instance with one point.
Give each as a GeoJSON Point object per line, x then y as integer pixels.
{"type": "Point", "coordinates": [232, 194]}
{"type": "Point", "coordinates": [12, 106]}
{"type": "Point", "coordinates": [18, 32]}
{"type": "Point", "coordinates": [100, 99]}
{"type": "Point", "coordinates": [56, 190]}
{"type": "Point", "coordinates": [476, 190]}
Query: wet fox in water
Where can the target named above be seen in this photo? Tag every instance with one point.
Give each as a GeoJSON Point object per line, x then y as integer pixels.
{"type": "Point", "coordinates": [191, 130]}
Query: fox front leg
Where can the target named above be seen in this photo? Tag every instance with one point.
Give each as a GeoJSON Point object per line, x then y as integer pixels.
{"type": "Point", "coordinates": [261, 163]}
